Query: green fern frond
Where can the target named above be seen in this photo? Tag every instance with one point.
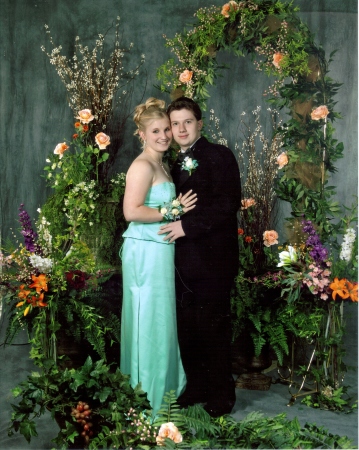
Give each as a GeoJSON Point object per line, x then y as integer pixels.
{"type": "Point", "coordinates": [170, 411]}
{"type": "Point", "coordinates": [259, 342]}
{"type": "Point", "coordinates": [199, 420]}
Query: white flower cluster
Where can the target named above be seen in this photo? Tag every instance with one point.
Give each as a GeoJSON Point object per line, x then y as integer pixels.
{"type": "Point", "coordinates": [44, 233]}
{"type": "Point", "coordinates": [347, 245]}
{"type": "Point", "coordinates": [172, 210]}
{"type": "Point", "coordinates": [44, 265]}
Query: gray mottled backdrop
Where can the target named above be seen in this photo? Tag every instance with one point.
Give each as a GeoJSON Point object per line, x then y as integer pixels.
{"type": "Point", "coordinates": [34, 111]}
{"type": "Point", "coordinates": [35, 115]}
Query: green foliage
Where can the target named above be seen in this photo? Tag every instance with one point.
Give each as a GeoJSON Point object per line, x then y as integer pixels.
{"type": "Point", "coordinates": [169, 411]}
{"type": "Point", "coordinates": [331, 399]}
{"type": "Point", "coordinates": [257, 312]}
{"type": "Point", "coordinates": [106, 390]}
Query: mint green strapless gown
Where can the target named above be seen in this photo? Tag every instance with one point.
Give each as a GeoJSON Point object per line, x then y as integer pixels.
{"type": "Point", "coordinates": [149, 345]}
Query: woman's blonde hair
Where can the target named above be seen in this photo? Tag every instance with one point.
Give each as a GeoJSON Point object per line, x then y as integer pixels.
{"type": "Point", "coordinates": [152, 109]}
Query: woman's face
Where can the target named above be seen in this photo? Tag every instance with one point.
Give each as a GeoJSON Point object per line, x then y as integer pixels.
{"type": "Point", "coordinates": [158, 134]}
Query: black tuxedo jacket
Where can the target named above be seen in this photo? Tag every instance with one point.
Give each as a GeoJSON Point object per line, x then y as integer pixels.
{"type": "Point", "coordinates": [209, 250]}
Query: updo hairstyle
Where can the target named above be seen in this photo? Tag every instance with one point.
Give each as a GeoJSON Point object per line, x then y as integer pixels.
{"type": "Point", "coordinates": [152, 109]}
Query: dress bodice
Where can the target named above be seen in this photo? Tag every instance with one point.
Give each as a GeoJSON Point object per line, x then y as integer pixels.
{"type": "Point", "coordinates": [156, 196]}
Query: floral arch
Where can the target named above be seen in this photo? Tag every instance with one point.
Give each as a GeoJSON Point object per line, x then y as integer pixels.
{"type": "Point", "coordinates": [281, 45]}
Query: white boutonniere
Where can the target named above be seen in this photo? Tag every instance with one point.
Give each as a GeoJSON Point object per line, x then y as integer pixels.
{"type": "Point", "coordinates": [189, 164]}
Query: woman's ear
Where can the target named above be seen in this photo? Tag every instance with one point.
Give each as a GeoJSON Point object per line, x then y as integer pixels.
{"type": "Point", "coordinates": [142, 135]}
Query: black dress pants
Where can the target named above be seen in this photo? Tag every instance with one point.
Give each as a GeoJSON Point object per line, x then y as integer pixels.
{"type": "Point", "coordinates": [204, 334]}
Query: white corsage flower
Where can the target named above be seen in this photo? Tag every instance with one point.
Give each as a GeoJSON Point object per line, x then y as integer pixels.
{"type": "Point", "coordinates": [172, 210]}
{"type": "Point", "coordinates": [287, 257]}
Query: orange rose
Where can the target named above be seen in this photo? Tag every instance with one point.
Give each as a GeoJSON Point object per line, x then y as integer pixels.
{"type": "Point", "coordinates": [102, 140]}
{"type": "Point", "coordinates": [170, 431]}
{"type": "Point", "coordinates": [282, 160]}
{"type": "Point", "coordinates": [319, 113]}
{"type": "Point", "coordinates": [277, 58]}
{"type": "Point", "coordinates": [85, 128]}
{"type": "Point", "coordinates": [60, 149]}
{"type": "Point", "coordinates": [85, 116]}
{"type": "Point", "coordinates": [75, 136]}
{"type": "Point", "coordinates": [77, 124]}
{"type": "Point", "coordinates": [248, 239]}
{"type": "Point", "coordinates": [270, 238]}
{"type": "Point", "coordinates": [247, 202]}
{"type": "Point", "coordinates": [186, 76]}
{"type": "Point", "coordinates": [240, 231]}
{"type": "Point", "coordinates": [229, 7]}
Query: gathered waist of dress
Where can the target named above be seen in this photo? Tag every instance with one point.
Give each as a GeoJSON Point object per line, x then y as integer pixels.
{"type": "Point", "coordinates": [145, 232]}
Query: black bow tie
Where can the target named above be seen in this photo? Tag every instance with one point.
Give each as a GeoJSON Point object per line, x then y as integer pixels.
{"type": "Point", "coordinates": [182, 155]}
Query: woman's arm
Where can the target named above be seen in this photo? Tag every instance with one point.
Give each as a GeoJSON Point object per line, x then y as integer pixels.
{"type": "Point", "coordinates": [139, 179]}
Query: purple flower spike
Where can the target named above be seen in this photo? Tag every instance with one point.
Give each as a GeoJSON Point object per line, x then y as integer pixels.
{"type": "Point", "coordinates": [318, 252]}
{"type": "Point", "coordinates": [30, 236]}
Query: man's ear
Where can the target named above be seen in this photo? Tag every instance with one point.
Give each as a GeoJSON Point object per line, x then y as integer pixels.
{"type": "Point", "coordinates": [200, 125]}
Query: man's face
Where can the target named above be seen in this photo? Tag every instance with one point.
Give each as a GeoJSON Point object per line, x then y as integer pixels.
{"type": "Point", "coordinates": [186, 129]}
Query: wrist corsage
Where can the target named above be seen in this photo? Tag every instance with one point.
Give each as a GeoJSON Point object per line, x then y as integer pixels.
{"type": "Point", "coordinates": [172, 210]}
{"type": "Point", "coordinates": [189, 164]}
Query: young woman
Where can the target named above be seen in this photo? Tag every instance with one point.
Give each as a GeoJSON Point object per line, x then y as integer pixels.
{"type": "Point", "coordinates": [149, 345]}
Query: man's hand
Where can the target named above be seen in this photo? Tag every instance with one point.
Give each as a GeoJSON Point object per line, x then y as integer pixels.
{"type": "Point", "coordinates": [174, 230]}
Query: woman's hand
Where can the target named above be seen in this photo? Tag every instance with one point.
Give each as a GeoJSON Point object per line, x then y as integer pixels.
{"type": "Point", "coordinates": [188, 200]}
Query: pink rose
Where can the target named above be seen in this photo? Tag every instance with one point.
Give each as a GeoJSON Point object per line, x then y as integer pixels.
{"type": "Point", "coordinates": [277, 58]}
{"type": "Point", "coordinates": [85, 116]}
{"type": "Point", "coordinates": [270, 238]}
{"type": "Point", "coordinates": [247, 202]}
{"type": "Point", "coordinates": [60, 149]}
{"type": "Point", "coordinates": [186, 76]}
{"type": "Point", "coordinates": [168, 430]}
{"type": "Point", "coordinates": [102, 140]}
{"type": "Point", "coordinates": [319, 113]}
{"type": "Point", "coordinates": [229, 7]}
{"type": "Point", "coordinates": [282, 160]}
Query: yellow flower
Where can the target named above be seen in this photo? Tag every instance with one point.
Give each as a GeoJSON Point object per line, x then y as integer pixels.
{"type": "Point", "coordinates": [27, 310]}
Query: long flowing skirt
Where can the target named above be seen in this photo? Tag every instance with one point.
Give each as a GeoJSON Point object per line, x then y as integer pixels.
{"type": "Point", "coordinates": [149, 344]}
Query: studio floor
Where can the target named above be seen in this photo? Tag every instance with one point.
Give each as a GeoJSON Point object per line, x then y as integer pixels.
{"type": "Point", "coordinates": [15, 365]}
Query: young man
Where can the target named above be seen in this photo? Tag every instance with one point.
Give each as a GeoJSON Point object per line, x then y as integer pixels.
{"type": "Point", "coordinates": [206, 260]}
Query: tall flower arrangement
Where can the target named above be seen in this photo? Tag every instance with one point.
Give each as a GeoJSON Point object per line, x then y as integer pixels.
{"type": "Point", "coordinates": [97, 84]}
{"type": "Point", "coordinates": [282, 46]}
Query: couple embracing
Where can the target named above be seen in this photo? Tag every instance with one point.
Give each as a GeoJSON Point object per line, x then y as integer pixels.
{"type": "Point", "coordinates": [177, 275]}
